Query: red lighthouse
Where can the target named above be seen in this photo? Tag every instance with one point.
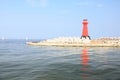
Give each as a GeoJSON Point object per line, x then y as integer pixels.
{"type": "Point", "coordinates": [85, 34]}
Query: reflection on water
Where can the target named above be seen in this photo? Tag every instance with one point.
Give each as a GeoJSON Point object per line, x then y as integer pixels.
{"type": "Point", "coordinates": [85, 62]}
{"type": "Point", "coordinates": [85, 57]}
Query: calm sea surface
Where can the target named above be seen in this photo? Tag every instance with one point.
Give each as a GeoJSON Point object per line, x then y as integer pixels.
{"type": "Point", "coordinates": [19, 61]}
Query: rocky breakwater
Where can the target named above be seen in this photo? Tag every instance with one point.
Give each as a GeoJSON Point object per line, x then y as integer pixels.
{"type": "Point", "coordinates": [77, 42]}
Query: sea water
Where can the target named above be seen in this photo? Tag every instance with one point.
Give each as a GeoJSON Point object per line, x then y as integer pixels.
{"type": "Point", "coordinates": [19, 61]}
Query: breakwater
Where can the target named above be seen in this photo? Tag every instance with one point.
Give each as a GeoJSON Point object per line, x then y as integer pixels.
{"type": "Point", "coordinates": [77, 42]}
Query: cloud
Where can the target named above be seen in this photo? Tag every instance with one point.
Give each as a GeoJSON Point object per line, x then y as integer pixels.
{"type": "Point", "coordinates": [43, 3]}
{"type": "Point", "coordinates": [99, 5]}
{"type": "Point", "coordinates": [63, 12]}
{"type": "Point", "coordinates": [84, 4]}
{"type": "Point", "coordinates": [38, 3]}
{"type": "Point", "coordinates": [89, 4]}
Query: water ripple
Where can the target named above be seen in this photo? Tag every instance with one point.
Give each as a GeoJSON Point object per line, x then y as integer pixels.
{"type": "Point", "coordinates": [19, 61]}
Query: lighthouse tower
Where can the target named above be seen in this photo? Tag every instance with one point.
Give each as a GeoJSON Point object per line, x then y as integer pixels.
{"type": "Point", "coordinates": [85, 34]}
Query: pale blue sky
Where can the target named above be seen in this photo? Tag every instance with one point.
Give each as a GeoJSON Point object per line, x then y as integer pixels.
{"type": "Point", "coordinates": [41, 19]}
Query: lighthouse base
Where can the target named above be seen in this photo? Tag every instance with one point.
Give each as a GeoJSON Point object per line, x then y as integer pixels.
{"type": "Point", "coordinates": [86, 37]}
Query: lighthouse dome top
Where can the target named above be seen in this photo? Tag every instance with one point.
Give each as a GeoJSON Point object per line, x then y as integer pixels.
{"type": "Point", "coordinates": [85, 20]}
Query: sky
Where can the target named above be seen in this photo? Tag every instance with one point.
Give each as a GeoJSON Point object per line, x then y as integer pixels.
{"type": "Point", "coordinates": [43, 19]}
